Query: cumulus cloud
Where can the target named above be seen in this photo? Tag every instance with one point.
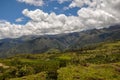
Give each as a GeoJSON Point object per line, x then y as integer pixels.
{"type": "Point", "coordinates": [66, 8]}
{"type": "Point", "coordinates": [45, 23]}
{"type": "Point", "coordinates": [62, 1]}
{"type": "Point", "coordinates": [81, 3]}
{"type": "Point", "coordinates": [97, 14]}
{"type": "Point", "coordinates": [8, 30]}
{"type": "Point", "coordinates": [55, 8]}
{"type": "Point", "coordinates": [96, 18]}
{"type": "Point", "coordinates": [32, 2]}
{"type": "Point", "coordinates": [19, 19]}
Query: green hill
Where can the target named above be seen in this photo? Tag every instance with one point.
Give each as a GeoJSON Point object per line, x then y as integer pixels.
{"type": "Point", "coordinates": [95, 62]}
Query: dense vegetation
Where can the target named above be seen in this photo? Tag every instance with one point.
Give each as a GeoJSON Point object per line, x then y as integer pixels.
{"type": "Point", "coordinates": [97, 62]}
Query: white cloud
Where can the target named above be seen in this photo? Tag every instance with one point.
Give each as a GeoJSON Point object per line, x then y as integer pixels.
{"type": "Point", "coordinates": [45, 23]}
{"type": "Point", "coordinates": [96, 18]}
{"type": "Point", "coordinates": [8, 30]}
{"type": "Point", "coordinates": [55, 8]}
{"type": "Point", "coordinates": [81, 3]}
{"type": "Point", "coordinates": [19, 19]}
{"type": "Point", "coordinates": [76, 3]}
{"type": "Point", "coordinates": [32, 2]}
{"type": "Point", "coordinates": [98, 14]}
{"type": "Point", "coordinates": [65, 8]}
{"type": "Point", "coordinates": [62, 1]}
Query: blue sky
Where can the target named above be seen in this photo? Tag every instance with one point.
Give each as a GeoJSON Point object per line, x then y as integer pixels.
{"type": "Point", "coordinates": [10, 10]}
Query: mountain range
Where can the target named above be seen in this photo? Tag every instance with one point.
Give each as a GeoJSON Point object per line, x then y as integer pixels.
{"type": "Point", "coordinates": [40, 44]}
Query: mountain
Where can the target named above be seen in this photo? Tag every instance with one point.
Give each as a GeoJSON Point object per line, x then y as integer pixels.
{"type": "Point", "coordinates": [39, 44]}
{"type": "Point", "coordinates": [100, 63]}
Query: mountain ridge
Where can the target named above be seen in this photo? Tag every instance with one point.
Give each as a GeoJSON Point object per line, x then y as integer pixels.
{"type": "Point", "coordinates": [40, 44]}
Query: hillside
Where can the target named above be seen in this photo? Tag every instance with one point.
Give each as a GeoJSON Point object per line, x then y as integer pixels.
{"type": "Point", "coordinates": [97, 62]}
{"type": "Point", "coordinates": [40, 44]}
{"type": "Point", "coordinates": [59, 39]}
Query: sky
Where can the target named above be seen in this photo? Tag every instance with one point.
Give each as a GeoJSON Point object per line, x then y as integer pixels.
{"type": "Point", "coordinates": [47, 17]}
{"type": "Point", "coordinates": [11, 10]}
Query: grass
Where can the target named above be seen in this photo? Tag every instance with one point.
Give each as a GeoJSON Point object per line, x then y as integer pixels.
{"type": "Point", "coordinates": [39, 76]}
{"type": "Point", "coordinates": [101, 63]}
{"type": "Point", "coordinates": [91, 72]}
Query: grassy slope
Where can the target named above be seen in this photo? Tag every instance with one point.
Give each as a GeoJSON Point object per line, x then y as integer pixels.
{"type": "Point", "coordinates": [101, 63]}
{"type": "Point", "coordinates": [39, 76]}
{"type": "Point", "coordinates": [91, 72]}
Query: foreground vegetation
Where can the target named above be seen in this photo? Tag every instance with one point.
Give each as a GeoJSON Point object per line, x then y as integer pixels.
{"type": "Point", "coordinates": [98, 62]}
